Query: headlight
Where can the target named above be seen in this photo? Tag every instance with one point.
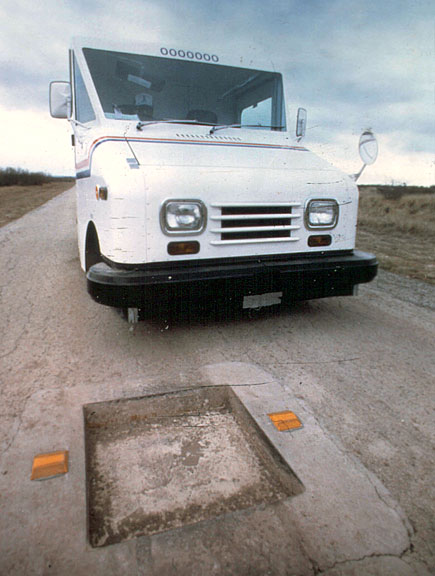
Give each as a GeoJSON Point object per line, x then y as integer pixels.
{"type": "Point", "coordinates": [321, 214]}
{"type": "Point", "coordinates": [183, 216]}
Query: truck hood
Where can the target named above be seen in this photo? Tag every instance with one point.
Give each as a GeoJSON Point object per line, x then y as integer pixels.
{"type": "Point", "coordinates": [226, 149]}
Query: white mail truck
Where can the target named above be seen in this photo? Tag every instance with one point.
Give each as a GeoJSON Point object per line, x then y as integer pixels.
{"type": "Point", "coordinates": [192, 181]}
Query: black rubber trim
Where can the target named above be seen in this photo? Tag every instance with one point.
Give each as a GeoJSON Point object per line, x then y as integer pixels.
{"type": "Point", "coordinates": [201, 262]}
{"type": "Point", "coordinates": [299, 278]}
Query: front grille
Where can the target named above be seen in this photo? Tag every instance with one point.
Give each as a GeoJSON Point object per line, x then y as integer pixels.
{"type": "Point", "coordinates": [245, 223]}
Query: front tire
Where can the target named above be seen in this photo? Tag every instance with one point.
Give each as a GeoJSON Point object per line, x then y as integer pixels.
{"type": "Point", "coordinates": [92, 250]}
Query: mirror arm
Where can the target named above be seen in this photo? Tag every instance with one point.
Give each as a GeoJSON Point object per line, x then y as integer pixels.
{"type": "Point", "coordinates": [358, 174]}
{"type": "Point", "coordinates": [77, 123]}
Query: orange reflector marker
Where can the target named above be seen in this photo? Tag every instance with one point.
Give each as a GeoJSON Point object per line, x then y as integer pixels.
{"type": "Point", "coordinates": [317, 241]}
{"type": "Point", "coordinates": [285, 420]}
{"type": "Point", "coordinates": [49, 465]}
{"type": "Point", "coordinates": [178, 248]}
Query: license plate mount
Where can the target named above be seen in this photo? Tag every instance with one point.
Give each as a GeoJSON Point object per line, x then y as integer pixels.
{"type": "Point", "coordinates": [262, 300]}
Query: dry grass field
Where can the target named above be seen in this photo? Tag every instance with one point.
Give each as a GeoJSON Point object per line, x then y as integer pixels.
{"type": "Point", "coordinates": [395, 223]}
{"type": "Point", "coordinates": [399, 227]}
{"type": "Point", "coordinates": [16, 200]}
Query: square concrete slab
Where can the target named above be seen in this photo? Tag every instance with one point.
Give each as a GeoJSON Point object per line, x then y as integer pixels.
{"type": "Point", "coordinates": [164, 461]}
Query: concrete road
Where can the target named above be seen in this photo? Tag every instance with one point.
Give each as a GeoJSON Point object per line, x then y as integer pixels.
{"type": "Point", "coordinates": [361, 371]}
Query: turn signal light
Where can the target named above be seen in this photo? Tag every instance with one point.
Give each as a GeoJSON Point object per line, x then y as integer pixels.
{"type": "Point", "coordinates": [101, 192]}
{"type": "Point", "coordinates": [322, 240]}
{"type": "Point", "coordinates": [181, 248]}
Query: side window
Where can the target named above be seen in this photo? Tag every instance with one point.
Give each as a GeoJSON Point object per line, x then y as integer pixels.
{"type": "Point", "coordinates": [259, 114]}
{"type": "Point", "coordinates": [83, 106]}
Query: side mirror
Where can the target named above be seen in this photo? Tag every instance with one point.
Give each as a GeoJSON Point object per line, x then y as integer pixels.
{"type": "Point", "coordinates": [368, 147]}
{"type": "Point", "coordinates": [60, 99]}
{"type": "Point", "coordinates": [301, 123]}
{"type": "Point", "coordinates": [368, 151]}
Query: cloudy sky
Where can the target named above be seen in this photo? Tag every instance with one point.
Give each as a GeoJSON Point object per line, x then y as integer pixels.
{"type": "Point", "coordinates": [352, 64]}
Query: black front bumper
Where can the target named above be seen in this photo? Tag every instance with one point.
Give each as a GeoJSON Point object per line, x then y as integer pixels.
{"type": "Point", "coordinates": [297, 277]}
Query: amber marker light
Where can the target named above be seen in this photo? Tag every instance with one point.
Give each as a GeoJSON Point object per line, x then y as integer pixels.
{"type": "Point", "coordinates": [320, 240]}
{"type": "Point", "coordinates": [286, 420]}
{"type": "Point", "coordinates": [49, 465]}
{"type": "Point", "coordinates": [181, 248]}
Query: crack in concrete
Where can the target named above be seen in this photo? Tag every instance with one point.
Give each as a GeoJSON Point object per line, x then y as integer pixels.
{"type": "Point", "coordinates": [309, 362]}
{"type": "Point", "coordinates": [25, 319]}
{"type": "Point", "coordinates": [394, 506]}
{"type": "Point", "coordinates": [338, 361]}
{"type": "Point", "coordinates": [20, 421]}
{"type": "Point", "coordinates": [381, 491]}
{"type": "Point", "coordinates": [313, 563]}
{"type": "Point", "coordinates": [412, 554]}
{"type": "Point", "coordinates": [201, 386]}
{"type": "Point", "coordinates": [245, 354]}
{"type": "Point", "coordinates": [358, 560]}
{"type": "Point", "coordinates": [386, 497]}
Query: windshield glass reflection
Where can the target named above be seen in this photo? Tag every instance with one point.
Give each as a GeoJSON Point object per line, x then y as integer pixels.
{"type": "Point", "coordinates": [149, 88]}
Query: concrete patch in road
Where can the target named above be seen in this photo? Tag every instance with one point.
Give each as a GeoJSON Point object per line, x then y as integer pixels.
{"type": "Point", "coordinates": [168, 460]}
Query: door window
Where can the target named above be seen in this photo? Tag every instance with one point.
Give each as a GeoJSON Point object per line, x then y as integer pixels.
{"type": "Point", "coordinates": [83, 107]}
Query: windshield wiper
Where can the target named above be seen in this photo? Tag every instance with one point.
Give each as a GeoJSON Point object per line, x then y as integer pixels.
{"type": "Point", "coordinates": [140, 125]}
{"type": "Point", "coordinates": [214, 127]}
{"type": "Point", "coordinates": [222, 126]}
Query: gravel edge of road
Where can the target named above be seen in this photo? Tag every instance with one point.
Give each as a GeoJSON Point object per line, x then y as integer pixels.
{"type": "Point", "coordinates": [405, 289]}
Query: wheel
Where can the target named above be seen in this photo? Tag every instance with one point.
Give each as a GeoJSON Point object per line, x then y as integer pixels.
{"type": "Point", "coordinates": [92, 252]}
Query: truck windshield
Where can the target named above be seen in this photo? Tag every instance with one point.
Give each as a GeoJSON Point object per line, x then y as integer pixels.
{"type": "Point", "coordinates": [150, 88]}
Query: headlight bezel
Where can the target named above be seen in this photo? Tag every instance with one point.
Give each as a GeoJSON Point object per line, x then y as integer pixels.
{"type": "Point", "coordinates": [321, 225]}
{"type": "Point", "coordinates": [180, 230]}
